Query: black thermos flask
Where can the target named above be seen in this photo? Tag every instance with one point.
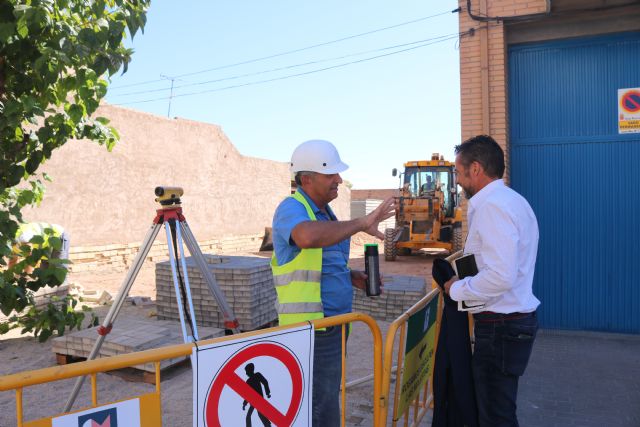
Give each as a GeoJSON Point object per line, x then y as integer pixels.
{"type": "Point", "coordinates": [372, 269]}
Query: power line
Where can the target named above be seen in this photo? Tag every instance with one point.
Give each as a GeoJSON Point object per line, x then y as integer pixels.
{"type": "Point", "coordinates": [293, 51]}
{"type": "Point", "coordinates": [298, 74]}
{"type": "Point", "coordinates": [235, 77]}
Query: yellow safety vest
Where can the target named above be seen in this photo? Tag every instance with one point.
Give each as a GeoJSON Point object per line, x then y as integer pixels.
{"type": "Point", "coordinates": [298, 281]}
{"type": "Point", "coordinates": [28, 230]}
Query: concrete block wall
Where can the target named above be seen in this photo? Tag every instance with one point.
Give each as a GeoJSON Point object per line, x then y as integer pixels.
{"type": "Point", "coordinates": [374, 193]}
{"type": "Point", "coordinates": [105, 201]}
{"type": "Point", "coordinates": [400, 294]}
{"type": "Point", "coordinates": [104, 198]}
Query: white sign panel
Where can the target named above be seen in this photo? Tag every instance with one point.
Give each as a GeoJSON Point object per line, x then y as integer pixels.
{"type": "Point", "coordinates": [629, 110]}
{"type": "Point", "coordinates": [121, 414]}
{"type": "Point", "coordinates": [255, 381]}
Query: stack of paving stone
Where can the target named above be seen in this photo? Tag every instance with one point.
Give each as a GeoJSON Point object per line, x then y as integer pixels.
{"type": "Point", "coordinates": [128, 336]}
{"type": "Point", "coordinates": [400, 293]}
{"type": "Point", "coordinates": [246, 282]}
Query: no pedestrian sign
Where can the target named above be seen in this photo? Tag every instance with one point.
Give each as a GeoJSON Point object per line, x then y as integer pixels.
{"type": "Point", "coordinates": [629, 110]}
{"type": "Point", "coordinates": [256, 381]}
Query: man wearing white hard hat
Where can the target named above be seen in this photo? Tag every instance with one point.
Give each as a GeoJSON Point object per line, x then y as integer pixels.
{"type": "Point", "coordinates": [309, 263]}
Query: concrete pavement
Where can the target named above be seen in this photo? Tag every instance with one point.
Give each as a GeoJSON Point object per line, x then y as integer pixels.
{"type": "Point", "coordinates": [574, 378]}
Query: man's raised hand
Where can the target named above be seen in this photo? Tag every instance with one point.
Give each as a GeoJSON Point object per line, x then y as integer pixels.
{"type": "Point", "coordinates": [386, 210]}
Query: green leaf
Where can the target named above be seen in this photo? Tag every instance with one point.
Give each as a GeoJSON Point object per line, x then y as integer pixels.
{"type": "Point", "coordinates": [37, 240]}
{"type": "Point", "coordinates": [60, 274]}
{"type": "Point", "coordinates": [87, 36]}
{"type": "Point", "coordinates": [115, 132]}
{"type": "Point", "coordinates": [34, 161]}
{"type": "Point", "coordinates": [44, 335]}
{"type": "Point", "coordinates": [26, 198]}
{"type": "Point", "coordinates": [76, 112]}
{"type": "Point", "coordinates": [91, 105]}
{"type": "Point", "coordinates": [7, 30]}
{"type": "Point", "coordinates": [16, 173]}
{"type": "Point", "coordinates": [22, 28]}
{"type": "Point", "coordinates": [41, 64]}
{"type": "Point", "coordinates": [55, 242]}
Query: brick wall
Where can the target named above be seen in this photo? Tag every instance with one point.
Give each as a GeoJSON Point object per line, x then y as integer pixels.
{"type": "Point", "coordinates": [120, 257]}
{"type": "Point", "coordinates": [489, 37]}
{"type": "Point", "coordinates": [487, 41]}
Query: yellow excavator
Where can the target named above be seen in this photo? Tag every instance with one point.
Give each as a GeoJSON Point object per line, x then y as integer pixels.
{"type": "Point", "coordinates": [428, 215]}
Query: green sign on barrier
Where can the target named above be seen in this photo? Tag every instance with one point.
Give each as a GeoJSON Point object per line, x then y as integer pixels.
{"type": "Point", "coordinates": [418, 354]}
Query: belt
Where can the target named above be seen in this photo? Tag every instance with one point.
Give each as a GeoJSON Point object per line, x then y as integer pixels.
{"type": "Point", "coordinates": [490, 316]}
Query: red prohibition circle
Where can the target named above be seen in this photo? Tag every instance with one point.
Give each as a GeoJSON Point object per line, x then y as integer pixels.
{"type": "Point", "coordinates": [631, 101]}
{"type": "Point", "coordinates": [227, 377]}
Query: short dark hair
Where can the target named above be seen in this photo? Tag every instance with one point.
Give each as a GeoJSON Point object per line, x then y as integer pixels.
{"type": "Point", "coordinates": [484, 150]}
{"type": "Point", "coordinates": [299, 175]}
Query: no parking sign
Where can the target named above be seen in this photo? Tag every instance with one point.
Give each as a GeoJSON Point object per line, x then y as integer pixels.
{"type": "Point", "coordinates": [629, 110]}
{"type": "Point", "coordinates": [259, 380]}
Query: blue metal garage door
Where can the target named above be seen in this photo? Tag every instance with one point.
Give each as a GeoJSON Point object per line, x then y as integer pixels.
{"type": "Point", "coordinates": [581, 177]}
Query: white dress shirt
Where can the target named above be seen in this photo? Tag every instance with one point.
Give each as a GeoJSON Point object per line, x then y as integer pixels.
{"type": "Point", "coordinates": [503, 236]}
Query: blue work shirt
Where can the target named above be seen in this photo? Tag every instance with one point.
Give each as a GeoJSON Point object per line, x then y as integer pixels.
{"type": "Point", "coordinates": [335, 285]}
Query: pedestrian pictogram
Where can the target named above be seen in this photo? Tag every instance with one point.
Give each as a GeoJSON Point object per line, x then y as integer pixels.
{"type": "Point", "coordinates": [255, 382]}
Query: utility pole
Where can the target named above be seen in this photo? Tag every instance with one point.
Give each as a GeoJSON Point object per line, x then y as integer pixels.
{"type": "Point", "coordinates": [162, 76]}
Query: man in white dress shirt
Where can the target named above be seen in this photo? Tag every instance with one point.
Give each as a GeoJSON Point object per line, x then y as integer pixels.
{"type": "Point", "coordinates": [503, 236]}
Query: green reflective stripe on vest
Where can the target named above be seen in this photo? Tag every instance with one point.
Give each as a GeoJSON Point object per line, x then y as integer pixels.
{"type": "Point", "coordinates": [27, 231]}
{"type": "Point", "coordinates": [297, 282]}
{"type": "Point", "coordinates": [297, 276]}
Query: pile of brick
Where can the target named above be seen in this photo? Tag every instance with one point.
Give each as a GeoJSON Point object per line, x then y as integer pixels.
{"type": "Point", "coordinates": [400, 293]}
{"type": "Point", "coordinates": [128, 336]}
{"type": "Point", "coordinates": [119, 257]}
{"type": "Point", "coordinates": [246, 282]}
{"type": "Point", "coordinates": [43, 297]}
{"type": "Point", "coordinates": [48, 294]}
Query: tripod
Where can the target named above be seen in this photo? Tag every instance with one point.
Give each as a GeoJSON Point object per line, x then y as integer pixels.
{"type": "Point", "coordinates": [176, 228]}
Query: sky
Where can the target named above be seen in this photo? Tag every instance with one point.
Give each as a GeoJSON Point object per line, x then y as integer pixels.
{"type": "Point", "coordinates": [377, 78]}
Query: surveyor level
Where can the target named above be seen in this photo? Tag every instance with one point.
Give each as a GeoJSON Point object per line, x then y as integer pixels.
{"type": "Point", "coordinates": [170, 214]}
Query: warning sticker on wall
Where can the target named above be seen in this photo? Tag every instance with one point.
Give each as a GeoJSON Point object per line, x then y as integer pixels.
{"type": "Point", "coordinates": [629, 110]}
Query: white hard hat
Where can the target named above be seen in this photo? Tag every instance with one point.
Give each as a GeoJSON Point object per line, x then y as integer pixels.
{"type": "Point", "coordinates": [317, 156]}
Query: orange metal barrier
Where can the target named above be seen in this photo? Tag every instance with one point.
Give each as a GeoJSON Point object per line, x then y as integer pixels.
{"type": "Point", "coordinates": [151, 401]}
{"type": "Point", "coordinates": [424, 398]}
